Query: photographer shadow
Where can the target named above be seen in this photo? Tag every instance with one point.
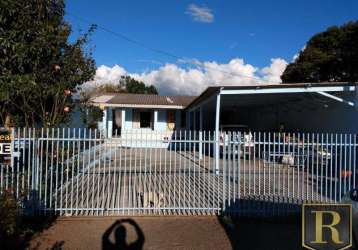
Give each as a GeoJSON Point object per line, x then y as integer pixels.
{"type": "Point", "coordinates": [120, 236]}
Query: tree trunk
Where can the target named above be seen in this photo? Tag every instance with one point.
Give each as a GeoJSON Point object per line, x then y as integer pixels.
{"type": "Point", "coordinates": [7, 123]}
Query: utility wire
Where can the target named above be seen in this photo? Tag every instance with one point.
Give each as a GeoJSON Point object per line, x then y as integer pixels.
{"type": "Point", "coordinates": [124, 37]}
{"type": "Point", "coordinates": [159, 51]}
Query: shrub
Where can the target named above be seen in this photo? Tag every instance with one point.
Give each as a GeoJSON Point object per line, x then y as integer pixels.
{"type": "Point", "coordinates": [9, 214]}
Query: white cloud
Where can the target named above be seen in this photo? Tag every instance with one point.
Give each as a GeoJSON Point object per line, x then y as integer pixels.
{"type": "Point", "coordinates": [273, 72]}
{"type": "Point", "coordinates": [104, 75]}
{"type": "Point", "coordinates": [200, 13]}
{"type": "Point", "coordinates": [171, 79]}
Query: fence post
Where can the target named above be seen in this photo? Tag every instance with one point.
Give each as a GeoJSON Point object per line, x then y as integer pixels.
{"type": "Point", "coordinates": [201, 133]}
{"type": "Point", "coordinates": [200, 145]}
{"type": "Point", "coordinates": [12, 135]}
{"type": "Point", "coordinates": [35, 171]}
{"type": "Point", "coordinates": [217, 136]}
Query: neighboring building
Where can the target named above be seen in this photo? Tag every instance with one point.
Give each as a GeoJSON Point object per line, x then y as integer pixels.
{"type": "Point", "coordinates": [126, 114]}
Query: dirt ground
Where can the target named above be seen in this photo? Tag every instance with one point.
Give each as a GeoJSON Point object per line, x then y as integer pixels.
{"type": "Point", "coordinates": [158, 233]}
{"type": "Point", "coordinates": [207, 232]}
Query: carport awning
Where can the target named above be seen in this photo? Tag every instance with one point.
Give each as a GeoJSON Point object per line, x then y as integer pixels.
{"type": "Point", "coordinates": [288, 97]}
{"type": "Point", "coordinates": [308, 100]}
{"type": "Point", "coordinates": [271, 93]}
{"type": "Point", "coordinates": [307, 95]}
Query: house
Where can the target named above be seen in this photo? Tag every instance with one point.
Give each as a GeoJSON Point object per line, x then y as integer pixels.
{"type": "Point", "coordinates": [303, 107]}
{"type": "Point", "coordinates": [149, 120]}
{"type": "Point", "coordinates": [135, 114]}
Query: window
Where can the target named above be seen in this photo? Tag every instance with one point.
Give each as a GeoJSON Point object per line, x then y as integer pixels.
{"type": "Point", "coordinates": [145, 118]}
{"type": "Point", "coordinates": [171, 119]}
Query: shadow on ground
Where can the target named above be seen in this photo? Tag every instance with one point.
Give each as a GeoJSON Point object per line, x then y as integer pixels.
{"type": "Point", "coordinates": [119, 229]}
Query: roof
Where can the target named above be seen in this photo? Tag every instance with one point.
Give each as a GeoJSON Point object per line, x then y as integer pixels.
{"type": "Point", "coordinates": [181, 102]}
{"type": "Point", "coordinates": [143, 101]}
{"type": "Point", "coordinates": [267, 88]}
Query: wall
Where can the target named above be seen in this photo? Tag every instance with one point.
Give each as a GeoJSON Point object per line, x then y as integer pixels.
{"type": "Point", "coordinates": [178, 119]}
{"type": "Point", "coordinates": [146, 138]}
{"type": "Point", "coordinates": [161, 124]}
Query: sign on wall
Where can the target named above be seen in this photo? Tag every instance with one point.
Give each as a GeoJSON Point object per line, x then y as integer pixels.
{"type": "Point", "coordinates": [5, 145]}
{"type": "Point", "coordinates": [5, 148]}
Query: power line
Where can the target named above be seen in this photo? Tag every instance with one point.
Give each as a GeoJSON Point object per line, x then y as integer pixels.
{"type": "Point", "coordinates": [126, 38]}
{"type": "Point", "coordinates": [159, 51]}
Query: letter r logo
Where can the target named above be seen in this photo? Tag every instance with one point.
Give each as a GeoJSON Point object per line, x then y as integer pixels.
{"type": "Point", "coordinates": [326, 226]}
{"type": "Point", "coordinates": [320, 226]}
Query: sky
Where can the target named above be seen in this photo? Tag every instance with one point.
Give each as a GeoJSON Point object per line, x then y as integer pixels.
{"type": "Point", "coordinates": [182, 47]}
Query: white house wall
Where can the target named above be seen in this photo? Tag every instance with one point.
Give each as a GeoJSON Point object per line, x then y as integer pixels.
{"type": "Point", "coordinates": [145, 138]}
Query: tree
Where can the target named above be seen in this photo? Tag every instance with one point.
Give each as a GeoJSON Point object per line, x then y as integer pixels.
{"type": "Point", "coordinates": [39, 67]}
{"type": "Point", "coordinates": [90, 115]}
{"type": "Point", "coordinates": [330, 56]}
{"type": "Point", "coordinates": [126, 84]}
{"type": "Point", "coordinates": [137, 87]}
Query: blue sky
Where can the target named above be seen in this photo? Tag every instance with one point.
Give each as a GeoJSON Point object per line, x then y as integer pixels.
{"type": "Point", "coordinates": [207, 31]}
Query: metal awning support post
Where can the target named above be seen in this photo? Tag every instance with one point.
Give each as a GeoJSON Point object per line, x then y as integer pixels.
{"type": "Point", "coordinates": [110, 122]}
{"type": "Point", "coordinates": [104, 122]}
{"type": "Point", "coordinates": [200, 134]}
{"type": "Point", "coordinates": [339, 99]}
{"type": "Point", "coordinates": [217, 135]}
{"type": "Point", "coordinates": [155, 126]}
{"type": "Point", "coordinates": [123, 120]}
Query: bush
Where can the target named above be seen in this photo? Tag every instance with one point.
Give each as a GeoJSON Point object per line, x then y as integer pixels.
{"type": "Point", "coordinates": [91, 115]}
{"type": "Point", "coordinates": [9, 215]}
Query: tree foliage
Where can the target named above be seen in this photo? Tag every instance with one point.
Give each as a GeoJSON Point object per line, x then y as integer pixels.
{"type": "Point", "coordinates": [330, 56]}
{"type": "Point", "coordinates": [39, 67]}
{"type": "Point", "coordinates": [126, 84]}
{"type": "Point", "coordinates": [90, 115]}
{"type": "Point", "coordinates": [138, 87]}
